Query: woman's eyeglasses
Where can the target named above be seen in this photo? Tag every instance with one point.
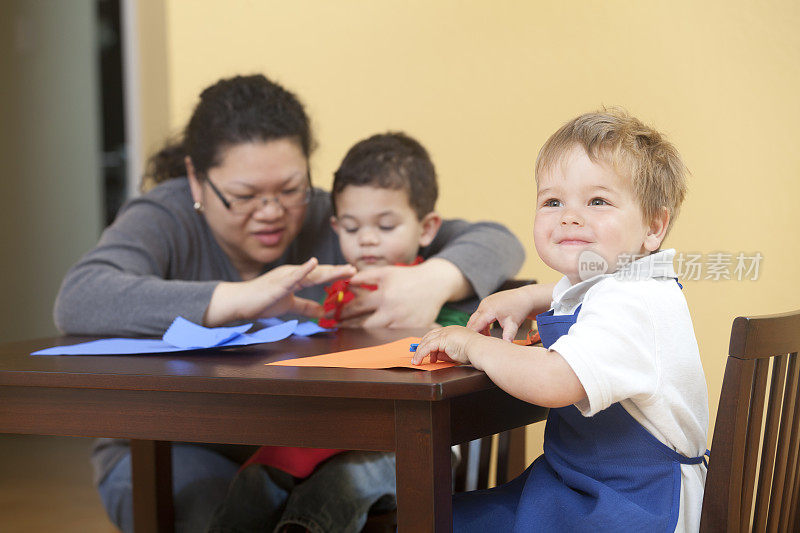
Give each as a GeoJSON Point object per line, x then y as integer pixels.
{"type": "Point", "coordinates": [247, 205]}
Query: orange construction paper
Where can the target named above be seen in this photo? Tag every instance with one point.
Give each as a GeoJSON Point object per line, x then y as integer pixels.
{"type": "Point", "coordinates": [391, 355]}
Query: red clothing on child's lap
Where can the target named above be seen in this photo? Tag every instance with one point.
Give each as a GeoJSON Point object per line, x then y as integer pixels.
{"type": "Point", "coordinates": [299, 462]}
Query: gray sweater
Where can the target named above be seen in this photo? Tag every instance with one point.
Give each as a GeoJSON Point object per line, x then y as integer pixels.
{"type": "Point", "coordinates": [159, 260]}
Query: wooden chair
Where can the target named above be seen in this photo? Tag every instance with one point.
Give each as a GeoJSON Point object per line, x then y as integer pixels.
{"type": "Point", "coordinates": [754, 455]}
{"type": "Point", "coordinates": [473, 470]}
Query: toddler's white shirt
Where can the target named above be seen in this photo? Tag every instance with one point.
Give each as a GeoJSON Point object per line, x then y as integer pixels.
{"type": "Point", "coordinates": [633, 343]}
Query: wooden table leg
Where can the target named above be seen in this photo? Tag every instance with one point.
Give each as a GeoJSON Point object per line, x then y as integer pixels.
{"type": "Point", "coordinates": [151, 465]}
{"type": "Point", "coordinates": [424, 477]}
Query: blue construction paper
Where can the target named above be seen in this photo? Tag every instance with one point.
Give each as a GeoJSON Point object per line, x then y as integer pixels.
{"type": "Point", "coordinates": [271, 334]}
{"type": "Point", "coordinates": [266, 322]}
{"type": "Point", "coordinates": [304, 329]}
{"type": "Point", "coordinates": [112, 347]}
{"type": "Point", "coordinates": [188, 335]}
{"type": "Point", "coordinates": [183, 335]}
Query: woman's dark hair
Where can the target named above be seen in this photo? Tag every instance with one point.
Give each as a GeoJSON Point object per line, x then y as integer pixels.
{"type": "Point", "coordinates": [390, 160]}
{"type": "Point", "coordinates": [230, 112]}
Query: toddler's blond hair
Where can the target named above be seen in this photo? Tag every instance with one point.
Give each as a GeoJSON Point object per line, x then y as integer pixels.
{"type": "Point", "coordinates": [632, 148]}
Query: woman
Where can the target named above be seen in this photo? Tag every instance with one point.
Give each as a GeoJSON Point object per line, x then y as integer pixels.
{"type": "Point", "coordinates": [235, 240]}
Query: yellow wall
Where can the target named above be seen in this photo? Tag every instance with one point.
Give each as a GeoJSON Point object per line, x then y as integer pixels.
{"type": "Point", "coordinates": [153, 74]}
{"type": "Point", "coordinates": [483, 84]}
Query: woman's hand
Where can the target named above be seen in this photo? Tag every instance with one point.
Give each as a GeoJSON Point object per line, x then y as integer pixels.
{"type": "Point", "coordinates": [272, 293]}
{"type": "Point", "coordinates": [453, 343]}
{"type": "Point", "coordinates": [406, 297]}
{"type": "Point", "coordinates": [510, 308]}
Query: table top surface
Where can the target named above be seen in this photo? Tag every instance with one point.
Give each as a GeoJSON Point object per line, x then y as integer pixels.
{"type": "Point", "coordinates": [239, 370]}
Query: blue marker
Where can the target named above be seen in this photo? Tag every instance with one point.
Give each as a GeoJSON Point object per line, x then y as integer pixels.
{"type": "Point", "coordinates": [413, 347]}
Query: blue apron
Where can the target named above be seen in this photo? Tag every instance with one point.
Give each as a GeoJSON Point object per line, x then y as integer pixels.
{"type": "Point", "coordinates": [599, 473]}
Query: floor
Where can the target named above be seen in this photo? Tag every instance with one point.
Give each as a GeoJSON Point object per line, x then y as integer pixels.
{"type": "Point", "coordinates": [46, 485]}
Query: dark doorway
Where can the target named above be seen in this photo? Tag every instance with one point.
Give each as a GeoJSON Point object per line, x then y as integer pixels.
{"type": "Point", "coordinates": [112, 108]}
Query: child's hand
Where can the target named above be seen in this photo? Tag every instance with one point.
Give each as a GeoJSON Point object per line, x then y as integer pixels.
{"type": "Point", "coordinates": [452, 343]}
{"type": "Point", "coordinates": [510, 309]}
{"type": "Point", "coordinates": [406, 297]}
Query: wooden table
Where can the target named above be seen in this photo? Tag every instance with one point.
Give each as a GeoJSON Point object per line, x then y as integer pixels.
{"type": "Point", "coordinates": [232, 397]}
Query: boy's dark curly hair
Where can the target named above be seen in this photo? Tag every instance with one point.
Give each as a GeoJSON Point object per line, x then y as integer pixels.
{"type": "Point", "coordinates": [390, 160]}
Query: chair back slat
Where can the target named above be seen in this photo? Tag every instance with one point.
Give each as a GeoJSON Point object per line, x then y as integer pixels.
{"type": "Point", "coordinates": [503, 447]}
{"type": "Point", "coordinates": [754, 425]}
{"type": "Point", "coordinates": [460, 472]}
{"type": "Point", "coordinates": [723, 486]}
{"type": "Point", "coordinates": [782, 450]}
{"type": "Point", "coordinates": [770, 441]}
{"type": "Point", "coordinates": [785, 444]}
{"type": "Point", "coordinates": [484, 462]}
{"type": "Point", "coordinates": [743, 387]}
{"type": "Point", "coordinates": [794, 515]}
{"type": "Point", "coordinates": [472, 472]}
